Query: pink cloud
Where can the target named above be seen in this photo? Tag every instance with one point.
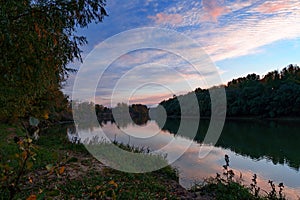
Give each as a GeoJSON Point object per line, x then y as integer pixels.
{"type": "Point", "coordinates": [149, 99]}
{"type": "Point", "coordinates": [248, 35]}
{"type": "Point", "coordinates": [162, 18]}
{"type": "Point", "coordinates": [274, 6]}
{"type": "Point", "coordinates": [214, 9]}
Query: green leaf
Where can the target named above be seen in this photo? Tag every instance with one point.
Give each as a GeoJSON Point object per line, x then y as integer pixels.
{"type": "Point", "coordinates": [33, 121]}
{"type": "Point", "coordinates": [49, 167]}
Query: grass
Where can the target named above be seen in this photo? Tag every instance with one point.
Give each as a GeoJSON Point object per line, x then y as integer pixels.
{"type": "Point", "coordinates": [62, 170]}
{"type": "Point", "coordinates": [226, 186]}
{"type": "Point", "coordinates": [222, 191]}
{"type": "Point", "coordinates": [103, 185]}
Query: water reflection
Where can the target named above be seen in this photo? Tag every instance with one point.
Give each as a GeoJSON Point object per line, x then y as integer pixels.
{"type": "Point", "coordinates": [275, 141]}
{"type": "Point", "coordinates": [270, 150]}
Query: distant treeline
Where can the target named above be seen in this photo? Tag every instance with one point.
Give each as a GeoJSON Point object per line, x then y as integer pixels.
{"type": "Point", "coordinates": [134, 110]}
{"type": "Point", "coordinates": [122, 113]}
{"type": "Point", "coordinates": [277, 94]}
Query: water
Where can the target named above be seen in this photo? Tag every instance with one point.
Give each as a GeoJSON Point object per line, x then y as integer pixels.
{"type": "Point", "coordinates": [269, 149]}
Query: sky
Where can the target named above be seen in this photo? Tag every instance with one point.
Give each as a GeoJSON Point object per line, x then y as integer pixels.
{"type": "Point", "coordinates": [239, 37]}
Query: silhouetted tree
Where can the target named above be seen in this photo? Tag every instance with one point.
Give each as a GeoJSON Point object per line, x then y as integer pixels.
{"type": "Point", "coordinates": [275, 95]}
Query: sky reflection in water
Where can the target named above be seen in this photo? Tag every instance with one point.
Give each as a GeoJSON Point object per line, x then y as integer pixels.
{"type": "Point", "coordinates": [191, 168]}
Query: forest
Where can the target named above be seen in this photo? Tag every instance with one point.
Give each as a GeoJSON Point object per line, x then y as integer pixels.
{"type": "Point", "coordinates": [275, 95]}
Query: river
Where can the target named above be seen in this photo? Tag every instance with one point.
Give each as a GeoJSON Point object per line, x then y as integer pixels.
{"type": "Point", "coordinates": [270, 149]}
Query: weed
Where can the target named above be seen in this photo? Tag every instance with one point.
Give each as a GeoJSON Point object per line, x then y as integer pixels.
{"type": "Point", "coordinates": [224, 186]}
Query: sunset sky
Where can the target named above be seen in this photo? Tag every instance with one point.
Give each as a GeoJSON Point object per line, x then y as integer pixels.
{"type": "Point", "coordinates": [240, 37]}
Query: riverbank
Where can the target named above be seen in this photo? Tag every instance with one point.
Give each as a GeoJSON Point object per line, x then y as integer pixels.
{"type": "Point", "coordinates": [63, 170]}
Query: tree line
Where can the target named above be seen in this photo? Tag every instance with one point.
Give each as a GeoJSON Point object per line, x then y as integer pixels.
{"type": "Point", "coordinates": [277, 94]}
{"type": "Point", "coordinates": [123, 114]}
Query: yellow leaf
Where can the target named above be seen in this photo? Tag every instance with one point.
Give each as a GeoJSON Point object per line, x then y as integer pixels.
{"type": "Point", "coordinates": [61, 170]}
{"type": "Point", "coordinates": [31, 197]}
{"type": "Point", "coordinates": [29, 165]}
{"type": "Point", "coordinates": [24, 155]}
{"type": "Point", "coordinates": [29, 140]}
{"type": "Point", "coordinates": [46, 116]}
{"type": "Point", "coordinates": [98, 187]}
{"type": "Point", "coordinates": [113, 183]}
{"type": "Point", "coordinates": [30, 180]}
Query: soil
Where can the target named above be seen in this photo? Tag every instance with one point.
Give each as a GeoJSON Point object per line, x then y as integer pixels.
{"type": "Point", "coordinates": [85, 163]}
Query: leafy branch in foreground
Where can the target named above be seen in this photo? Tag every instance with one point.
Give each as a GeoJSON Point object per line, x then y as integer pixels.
{"type": "Point", "coordinates": [10, 176]}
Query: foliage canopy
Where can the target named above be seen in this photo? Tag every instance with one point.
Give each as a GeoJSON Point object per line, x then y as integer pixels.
{"type": "Point", "coordinates": [37, 42]}
{"type": "Point", "coordinates": [277, 94]}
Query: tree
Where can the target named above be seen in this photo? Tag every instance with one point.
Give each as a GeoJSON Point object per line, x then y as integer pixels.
{"type": "Point", "coordinates": [37, 42]}
{"type": "Point", "coordinates": [277, 94]}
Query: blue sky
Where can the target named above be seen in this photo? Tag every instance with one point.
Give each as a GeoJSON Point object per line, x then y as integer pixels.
{"type": "Point", "coordinates": [240, 37]}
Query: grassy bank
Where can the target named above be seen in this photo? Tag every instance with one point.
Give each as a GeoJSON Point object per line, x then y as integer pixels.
{"type": "Point", "coordinates": [62, 170]}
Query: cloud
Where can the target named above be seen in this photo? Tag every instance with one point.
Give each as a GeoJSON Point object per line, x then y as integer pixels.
{"type": "Point", "coordinates": [149, 99]}
{"type": "Point", "coordinates": [225, 29]}
{"type": "Point", "coordinates": [163, 18]}
{"type": "Point", "coordinates": [248, 36]}
{"type": "Point", "coordinates": [214, 9]}
{"type": "Point", "coordinates": [243, 28]}
{"type": "Point", "coordinates": [271, 7]}
{"type": "Point", "coordinates": [167, 73]}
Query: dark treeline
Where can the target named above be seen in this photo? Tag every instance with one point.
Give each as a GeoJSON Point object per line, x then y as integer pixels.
{"type": "Point", "coordinates": [277, 94]}
{"type": "Point", "coordinates": [123, 114]}
{"type": "Point", "coordinates": [135, 110]}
